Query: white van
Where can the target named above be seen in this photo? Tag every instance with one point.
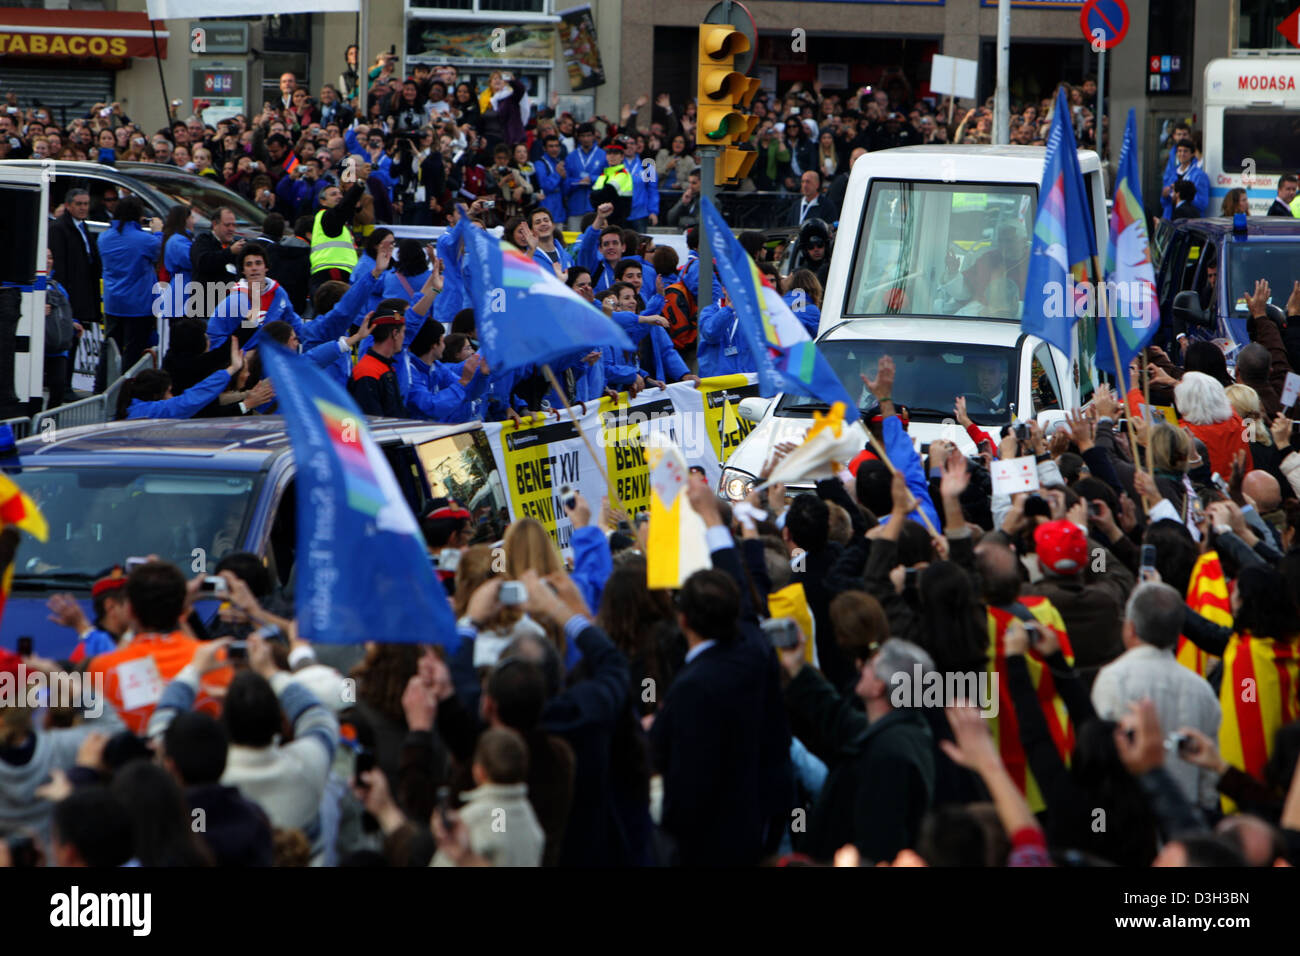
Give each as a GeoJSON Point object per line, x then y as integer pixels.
{"type": "Point", "coordinates": [1252, 127]}
{"type": "Point", "coordinates": [24, 197]}
{"type": "Point", "coordinates": [929, 267]}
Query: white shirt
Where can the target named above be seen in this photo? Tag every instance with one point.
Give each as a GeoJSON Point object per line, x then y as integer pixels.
{"type": "Point", "coordinates": [1182, 699]}
{"type": "Point", "coordinates": [804, 204]}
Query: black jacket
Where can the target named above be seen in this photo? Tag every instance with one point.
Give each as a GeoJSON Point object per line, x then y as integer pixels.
{"type": "Point", "coordinates": [1279, 208]}
{"type": "Point", "coordinates": [815, 578]}
{"type": "Point", "coordinates": [78, 271]}
{"type": "Point", "coordinates": [235, 829]}
{"type": "Point", "coordinates": [374, 386]}
{"type": "Point", "coordinates": [210, 259]}
{"type": "Point", "coordinates": [882, 773]}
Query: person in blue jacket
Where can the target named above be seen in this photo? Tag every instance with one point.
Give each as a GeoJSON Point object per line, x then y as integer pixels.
{"type": "Point", "coordinates": [338, 307]}
{"type": "Point", "coordinates": [149, 394]}
{"type": "Point", "coordinates": [406, 278]}
{"type": "Point", "coordinates": [723, 349]}
{"type": "Point", "coordinates": [235, 316]}
{"type": "Point", "coordinates": [437, 390]}
{"type": "Point", "coordinates": [645, 188]}
{"type": "Point", "coordinates": [1188, 167]}
{"type": "Point", "coordinates": [455, 269]}
{"type": "Point", "coordinates": [803, 294]}
{"type": "Point", "coordinates": [178, 238]}
{"type": "Point", "coordinates": [633, 270]}
{"type": "Point", "coordinates": [582, 168]}
{"type": "Point", "coordinates": [130, 257]}
{"type": "Point", "coordinates": [691, 271]}
{"type": "Point", "coordinates": [550, 177]}
{"type": "Point", "coordinates": [547, 250]}
{"type": "Point", "coordinates": [381, 238]}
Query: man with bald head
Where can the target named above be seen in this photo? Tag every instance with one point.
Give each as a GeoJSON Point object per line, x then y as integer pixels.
{"type": "Point", "coordinates": [1264, 511]}
{"type": "Point", "coordinates": [1261, 843]}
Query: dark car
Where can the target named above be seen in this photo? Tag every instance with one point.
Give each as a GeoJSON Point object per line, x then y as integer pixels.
{"type": "Point", "coordinates": [1205, 271]}
{"type": "Point", "coordinates": [159, 187]}
{"type": "Point", "coordinates": [192, 492]}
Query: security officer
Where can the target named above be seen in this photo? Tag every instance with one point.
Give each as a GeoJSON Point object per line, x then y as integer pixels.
{"type": "Point", "coordinates": [615, 184]}
{"type": "Point", "coordinates": [333, 250]}
{"type": "Point", "coordinates": [374, 381]}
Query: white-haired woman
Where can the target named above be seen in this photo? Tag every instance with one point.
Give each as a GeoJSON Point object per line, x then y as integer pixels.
{"type": "Point", "coordinates": [1203, 406]}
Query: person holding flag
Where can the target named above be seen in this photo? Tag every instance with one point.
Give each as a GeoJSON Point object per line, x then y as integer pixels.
{"type": "Point", "coordinates": [1064, 244]}
{"type": "Point", "coordinates": [1129, 271]}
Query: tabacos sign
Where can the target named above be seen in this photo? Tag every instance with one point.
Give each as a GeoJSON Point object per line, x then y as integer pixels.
{"type": "Point", "coordinates": [59, 44]}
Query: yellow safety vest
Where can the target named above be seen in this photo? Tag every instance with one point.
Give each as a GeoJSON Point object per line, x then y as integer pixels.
{"type": "Point", "coordinates": [620, 179]}
{"type": "Point", "coordinates": [331, 252]}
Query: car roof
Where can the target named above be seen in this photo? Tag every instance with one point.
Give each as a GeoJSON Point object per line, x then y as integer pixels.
{"type": "Point", "coordinates": [974, 163]}
{"type": "Point", "coordinates": [227, 444]}
{"type": "Point", "coordinates": [956, 329]}
{"type": "Point", "coordinates": [1274, 227]}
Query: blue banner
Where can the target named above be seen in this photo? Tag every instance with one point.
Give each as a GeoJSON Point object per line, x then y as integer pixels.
{"type": "Point", "coordinates": [363, 572]}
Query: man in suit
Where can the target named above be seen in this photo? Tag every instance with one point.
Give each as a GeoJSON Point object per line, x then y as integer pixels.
{"type": "Point", "coordinates": [1185, 208]}
{"type": "Point", "coordinates": [1288, 184]}
{"type": "Point", "coordinates": [333, 109]}
{"type": "Point", "coordinates": [811, 205]}
{"type": "Point", "coordinates": [721, 740]}
{"type": "Point", "coordinates": [76, 262]}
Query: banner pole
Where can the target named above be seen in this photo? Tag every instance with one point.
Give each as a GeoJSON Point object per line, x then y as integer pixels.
{"type": "Point", "coordinates": [1121, 377]}
{"type": "Point", "coordinates": [614, 500]}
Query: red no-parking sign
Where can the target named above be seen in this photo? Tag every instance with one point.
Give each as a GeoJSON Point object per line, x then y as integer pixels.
{"type": "Point", "coordinates": [1105, 21]}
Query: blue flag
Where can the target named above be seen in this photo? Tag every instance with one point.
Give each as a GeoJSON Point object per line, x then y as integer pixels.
{"type": "Point", "coordinates": [786, 358]}
{"type": "Point", "coordinates": [1065, 240]}
{"type": "Point", "coordinates": [524, 314]}
{"type": "Point", "coordinates": [1131, 285]}
{"type": "Point", "coordinates": [363, 573]}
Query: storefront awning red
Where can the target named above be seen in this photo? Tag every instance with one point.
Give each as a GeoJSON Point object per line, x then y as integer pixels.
{"type": "Point", "coordinates": [64, 34]}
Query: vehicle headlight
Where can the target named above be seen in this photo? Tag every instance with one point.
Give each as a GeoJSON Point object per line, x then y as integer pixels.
{"type": "Point", "coordinates": [735, 483]}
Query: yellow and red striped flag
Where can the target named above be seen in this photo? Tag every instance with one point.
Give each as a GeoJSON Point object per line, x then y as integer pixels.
{"type": "Point", "coordinates": [1005, 727]}
{"type": "Point", "coordinates": [20, 511]}
{"type": "Point", "coordinates": [1207, 595]}
{"type": "Point", "coordinates": [1258, 695]}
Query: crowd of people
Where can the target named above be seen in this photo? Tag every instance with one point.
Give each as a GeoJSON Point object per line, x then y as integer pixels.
{"type": "Point", "coordinates": [1117, 648]}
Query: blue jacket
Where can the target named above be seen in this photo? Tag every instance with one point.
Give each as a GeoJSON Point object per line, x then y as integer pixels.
{"type": "Point", "coordinates": [130, 259]}
{"type": "Point", "coordinates": [393, 288]}
{"type": "Point", "coordinates": [455, 293]}
{"type": "Point", "coordinates": [184, 405]}
{"type": "Point", "coordinates": [435, 391]}
{"type": "Point", "coordinates": [366, 265]}
{"type": "Point", "coordinates": [1197, 176]}
{"type": "Point", "coordinates": [722, 346]}
{"type": "Point", "coordinates": [810, 315]}
{"type": "Point", "coordinates": [645, 187]}
{"type": "Point", "coordinates": [577, 195]}
{"type": "Point", "coordinates": [691, 279]}
{"type": "Point", "coordinates": [326, 329]}
{"type": "Point", "coordinates": [668, 364]}
{"type": "Point", "coordinates": [552, 184]}
{"type": "Point", "coordinates": [543, 260]}
{"type": "Point", "coordinates": [293, 196]}
{"type": "Point", "coordinates": [229, 316]}
{"type": "Point", "coordinates": [176, 260]}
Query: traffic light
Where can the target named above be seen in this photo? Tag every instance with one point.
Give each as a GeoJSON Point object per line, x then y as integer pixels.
{"type": "Point", "coordinates": [723, 98]}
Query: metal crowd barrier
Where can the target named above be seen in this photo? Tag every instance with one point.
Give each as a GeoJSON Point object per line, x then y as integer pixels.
{"type": "Point", "coordinates": [95, 410]}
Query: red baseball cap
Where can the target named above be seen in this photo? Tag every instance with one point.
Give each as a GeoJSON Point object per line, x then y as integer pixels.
{"type": "Point", "coordinates": [1061, 546]}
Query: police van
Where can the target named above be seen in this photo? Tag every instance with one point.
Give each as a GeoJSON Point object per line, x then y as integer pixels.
{"type": "Point", "coordinates": [1252, 127]}
{"type": "Point", "coordinates": [929, 267]}
{"type": "Point", "coordinates": [24, 193]}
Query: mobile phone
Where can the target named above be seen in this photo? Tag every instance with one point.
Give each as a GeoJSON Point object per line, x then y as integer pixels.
{"type": "Point", "coordinates": [1219, 483]}
{"type": "Point", "coordinates": [985, 447]}
{"type": "Point", "coordinates": [448, 559]}
{"type": "Point", "coordinates": [489, 204]}
{"type": "Point", "coordinates": [133, 563]}
{"type": "Point", "coordinates": [909, 579]}
{"type": "Point", "coordinates": [1094, 508]}
{"type": "Point", "coordinates": [642, 517]}
{"type": "Point", "coordinates": [1035, 635]}
{"type": "Point", "coordinates": [106, 111]}
{"type": "Point", "coordinates": [444, 806]}
{"type": "Point", "coordinates": [1148, 557]}
{"type": "Point", "coordinates": [365, 762]}
{"type": "Point", "coordinates": [1022, 431]}
{"type": "Point", "coordinates": [512, 593]}
{"type": "Point", "coordinates": [781, 632]}
{"type": "Point", "coordinates": [568, 497]}
{"type": "Point", "coordinates": [237, 651]}
{"type": "Point", "coordinates": [1184, 745]}
{"type": "Point", "coordinates": [213, 585]}
{"type": "Point", "coordinates": [25, 646]}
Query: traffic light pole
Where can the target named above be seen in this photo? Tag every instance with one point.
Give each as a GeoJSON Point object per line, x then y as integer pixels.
{"type": "Point", "coordinates": [707, 154]}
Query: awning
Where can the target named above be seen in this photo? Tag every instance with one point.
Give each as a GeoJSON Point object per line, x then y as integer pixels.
{"type": "Point", "coordinates": [201, 9]}
{"type": "Point", "coordinates": [61, 34]}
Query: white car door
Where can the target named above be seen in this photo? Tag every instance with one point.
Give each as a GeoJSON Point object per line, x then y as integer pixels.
{"type": "Point", "coordinates": [24, 211]}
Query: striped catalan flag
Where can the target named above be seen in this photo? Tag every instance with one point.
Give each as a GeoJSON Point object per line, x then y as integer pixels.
{"type": "Point", "coordinates": [1258, 695]}
{"type": "Point", "coordinates": [20, 511]}
{"type": "Point", "coordinates": [1207, 595]}
{"type": "Point", "coordinates": [1005, 727]}
{"type": "Point", "coordinates": [291, 163]}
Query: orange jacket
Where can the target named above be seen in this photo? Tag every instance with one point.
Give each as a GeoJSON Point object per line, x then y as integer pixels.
{"type": "Point", "coordinates": [1223, 440]}
{"type": "Point", "coordinates": [134, 676]}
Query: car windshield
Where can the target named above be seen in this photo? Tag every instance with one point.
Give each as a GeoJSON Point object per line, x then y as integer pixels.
{"type": "Point", "coordinates": [205, 197]}
{"type": "Point", "coordinates": [929, 376]}
{"type": "Point", "coordinates": [100, 516]}
{"type": "Point", "coordinates": [1276, 262]}
{"type": "Point", "coordinates": [943, 249]}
